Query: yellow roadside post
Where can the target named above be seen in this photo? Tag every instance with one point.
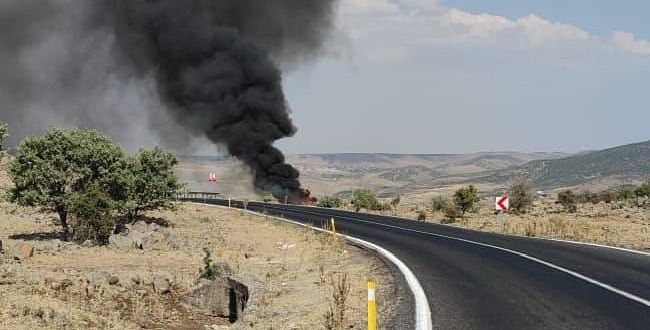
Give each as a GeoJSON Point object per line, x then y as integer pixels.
{"type": "Point", "coordinates": [372, 305]}
{"type": "Point", "coordinates": [333, 229]}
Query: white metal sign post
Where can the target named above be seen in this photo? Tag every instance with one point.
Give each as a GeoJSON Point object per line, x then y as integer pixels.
{"type": "Point", "coordinates": [502, 205]}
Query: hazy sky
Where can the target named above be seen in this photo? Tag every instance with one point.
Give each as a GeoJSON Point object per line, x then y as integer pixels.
{"type": "Point", "coordinates": [453, 76]}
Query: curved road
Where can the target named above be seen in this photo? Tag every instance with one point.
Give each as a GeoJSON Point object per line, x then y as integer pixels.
{"type": "Point", "coordinates": [475, 280]}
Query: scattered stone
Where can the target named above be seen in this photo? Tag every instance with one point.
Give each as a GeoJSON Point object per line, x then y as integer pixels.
{"type": "Point", "coordinates": [248, 255]}
{"type": "Point", "coordinates": [87, 243]}
{"type": "Point", "coordinates": [26, 251]}
{"type": "Point", "coordinates": [224, 297]}
{"type": "Point", "coordinates": [113, 280]}
{"type": "Point", "coordinates": [66, 283]}
{"type": "Point", "coordinates": [161, 284]}
{"type": "Point", "coordinates": [60, 285]}
{"type": "Point", "coordinates": [91, 290]}
{"type": "Point", "coordinates": [98, 278]}
{"type": "Point", "coordinates": [45, 313]}
{"type": "Point", "coordinates": [286, 246]}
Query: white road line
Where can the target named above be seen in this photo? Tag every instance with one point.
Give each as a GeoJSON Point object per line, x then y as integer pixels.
{"type": "Point", "coordinates": [422, 310]}
{"type": "Point", "coordinates": [647, 254]}
{"type": "Point", "coordinates": [521, 254]}
{"type": "Point", "coordinates": [527, 237]}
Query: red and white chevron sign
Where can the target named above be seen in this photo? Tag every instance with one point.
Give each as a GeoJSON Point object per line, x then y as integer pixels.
{"type": "Point", "coordinates": [212, 178]}
{"type": "Point", "coordinates": [502, 203]}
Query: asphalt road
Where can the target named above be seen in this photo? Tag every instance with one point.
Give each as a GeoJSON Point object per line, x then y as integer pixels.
{"type": "Point", "coordinates": [476, 280]}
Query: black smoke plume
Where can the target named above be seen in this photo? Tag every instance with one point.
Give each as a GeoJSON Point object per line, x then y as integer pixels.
{"type": "Point", "coordinates": [215, 66]}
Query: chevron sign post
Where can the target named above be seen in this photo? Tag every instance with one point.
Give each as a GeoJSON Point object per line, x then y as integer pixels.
{"type": "Point", "coordinates": [502, 203]}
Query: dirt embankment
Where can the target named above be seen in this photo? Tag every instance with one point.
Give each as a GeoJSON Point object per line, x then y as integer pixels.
{"type": "Point", "coordinates": [289, 272]}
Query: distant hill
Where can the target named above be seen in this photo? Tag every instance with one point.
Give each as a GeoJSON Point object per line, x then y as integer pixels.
{"type": "Point", "coordinates": [618, 164]}
{"type": "Point", "coordinates": [425, 175]}
{"type": "Point", "coordinates": [473, 162]}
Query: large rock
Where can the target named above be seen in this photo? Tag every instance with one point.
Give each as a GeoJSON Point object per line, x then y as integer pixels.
{"type": "Point", "coordinates": [161, 283]}
{"type": "Point", "coordinates": [25, 251]}
{"type": "Point", "coordinates": [224, 297]}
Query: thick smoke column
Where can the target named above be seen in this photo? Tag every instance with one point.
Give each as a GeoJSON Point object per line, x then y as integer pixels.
{"type": "Point", "coordinates": [184, 69]}
{"type": "Point", "coordinates": [215, 63]}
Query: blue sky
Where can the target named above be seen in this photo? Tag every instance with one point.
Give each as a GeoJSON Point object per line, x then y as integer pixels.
{"type": "Point", "coordinates": [427, 76]}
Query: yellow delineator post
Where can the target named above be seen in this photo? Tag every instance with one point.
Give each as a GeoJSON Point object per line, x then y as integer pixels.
{"type": "Point", "coordinates": [333, 228]}
{"type": "Point", "coordinates": [372, 305]}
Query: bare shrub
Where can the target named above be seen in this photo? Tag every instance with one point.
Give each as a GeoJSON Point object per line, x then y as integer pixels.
{"type": "Point", "coordinates": [336, 315]}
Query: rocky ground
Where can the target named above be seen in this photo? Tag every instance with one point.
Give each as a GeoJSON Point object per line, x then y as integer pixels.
{"type": "Point", "coordinates": [142, 278]}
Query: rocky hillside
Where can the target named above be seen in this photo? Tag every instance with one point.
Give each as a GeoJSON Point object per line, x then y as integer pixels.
{"type": "Point", "coordinates": [618, 165]}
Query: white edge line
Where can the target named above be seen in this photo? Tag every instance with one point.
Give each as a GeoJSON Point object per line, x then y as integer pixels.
{"type": "Point", "coordinates": [422, 312]}
{"type": "Point", "coordinates": [588, 244]}
{"type": "Point", "coordinates": [523, 255]}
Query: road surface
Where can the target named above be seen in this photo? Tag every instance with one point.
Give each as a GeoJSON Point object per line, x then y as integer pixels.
{"type": "Point", "coordinates": [475, 280]}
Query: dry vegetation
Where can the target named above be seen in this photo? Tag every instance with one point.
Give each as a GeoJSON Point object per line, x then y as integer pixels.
{"type": "Point", "coordinates": [616, 224]}
{"type": "Point", "coordinates": [289, 272]}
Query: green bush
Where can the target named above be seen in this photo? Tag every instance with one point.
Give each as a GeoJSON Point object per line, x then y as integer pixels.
{"type": "Point", "coordinates": [365, 199]}
{"type": "Point", "coordinates": [209, 271]}
{"type": "Point", "coordinates": [439, 203]}
{"type": "Point", "coordinates": [330, 202]}
{"type": "Point", "coordinates": [521, 197]}
{"type": "Point", "coordinates": [465, 199]}
{"type": "Point", "coordinates": [452, 212]}
{"type": "Point", "coordinates": [625, 194]}
{"type": "Point", "coordinates": [92, 212]}
{"type": "Point", "coordinates": [269, 199]}
{"type": "Point", "coordinates": [606, 196]}
{"type": "Point", "coordinates": [643, 190]}
{"type": "Point", "coordinates": [568, 200]}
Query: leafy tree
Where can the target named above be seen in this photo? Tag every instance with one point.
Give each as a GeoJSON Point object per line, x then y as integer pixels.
{"type": "Point", "coordinates": [50, 170]}
{"type": "Point", "coordinates": [439, 203]}
{"type": "Point", "coordinates": [521, 196]}
{"type": "Point", "coordinates": [466, 199]}
{"type": "Point", "coordinates": [568, 200]}
{"type": "Point", "coordinates": [148, 182]}
{"type": "Point", "coordinates": [92, 211]}
{"type": "Point", "coordinates": [365, 199]}
{"type": "Point", "coordinates": [330, 202]}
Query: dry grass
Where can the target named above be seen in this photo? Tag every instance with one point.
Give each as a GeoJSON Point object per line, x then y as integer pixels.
{"type": "Point", "coordinates": [615, 224]}
{"type": "Point", "coordinates": [286, 268]}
